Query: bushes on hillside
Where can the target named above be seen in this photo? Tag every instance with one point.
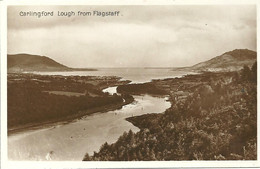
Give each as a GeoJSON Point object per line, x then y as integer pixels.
{"type": "Point", "coordinates": [217, 121]}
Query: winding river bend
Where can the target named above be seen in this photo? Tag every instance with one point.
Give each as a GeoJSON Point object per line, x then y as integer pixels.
{"type": "Point", "coordinates": [70, 142]}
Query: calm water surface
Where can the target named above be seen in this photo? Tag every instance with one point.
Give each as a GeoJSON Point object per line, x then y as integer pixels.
{"type": "Point", "coordinates": [136, 75]}
{"type": "Point", "coordinates": [71, 141]}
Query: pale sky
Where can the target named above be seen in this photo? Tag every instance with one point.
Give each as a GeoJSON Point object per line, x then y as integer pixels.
{"type": "Point", "coordinates": [141, 36]}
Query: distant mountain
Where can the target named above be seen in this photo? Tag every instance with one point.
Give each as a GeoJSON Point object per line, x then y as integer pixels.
{"type": "Point", "coordinates": [229, 61]}
{"type": "Point", "coordinates": [28, 63]}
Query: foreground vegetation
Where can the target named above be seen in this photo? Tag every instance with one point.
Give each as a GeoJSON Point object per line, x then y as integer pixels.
{"type": "Point", "coordinates": [35, 100]}
{"type": "Point", "coordinates": [213, 117]}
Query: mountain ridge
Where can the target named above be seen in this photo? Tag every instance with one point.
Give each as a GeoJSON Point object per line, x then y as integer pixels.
{"type": "Point", "coordinates": [228, 61]}
{"type": "Point", "coordinates": [23, 62]}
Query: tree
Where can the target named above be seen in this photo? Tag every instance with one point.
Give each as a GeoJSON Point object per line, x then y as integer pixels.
{"type": "Point", "coordinates": [254, 72]}
{"type": "Point", "coordinates": [130, 137]}
{"type": "Point", "coordinates": [87, 157]}
{"type": "Point", "coordinates": [246, 73]}
{"type": "Point", "coordinates": [236, 77]}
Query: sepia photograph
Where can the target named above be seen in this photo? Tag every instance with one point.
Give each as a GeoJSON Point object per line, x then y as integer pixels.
{"type": "Point", "coordinates": [131, 83]}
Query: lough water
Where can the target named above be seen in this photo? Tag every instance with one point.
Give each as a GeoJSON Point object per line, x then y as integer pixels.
{"type": "Point", "coordinates": [136, 75]}
{"type": "Point", "coordinates": [70, 142]}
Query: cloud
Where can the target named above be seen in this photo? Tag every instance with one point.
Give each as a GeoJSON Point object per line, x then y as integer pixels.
{"type": "Point", "coordinates": [154, 36]}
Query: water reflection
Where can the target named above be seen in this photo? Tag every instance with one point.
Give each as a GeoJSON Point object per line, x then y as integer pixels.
{"type": "Point", "coordinates": [71, 141]}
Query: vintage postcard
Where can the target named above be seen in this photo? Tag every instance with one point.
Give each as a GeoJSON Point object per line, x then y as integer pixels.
{"type": "Point", "coordinates": [138, 84]}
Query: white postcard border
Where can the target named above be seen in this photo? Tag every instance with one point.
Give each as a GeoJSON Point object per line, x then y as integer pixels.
{"type": "Point", "coordinates": [67, 164]}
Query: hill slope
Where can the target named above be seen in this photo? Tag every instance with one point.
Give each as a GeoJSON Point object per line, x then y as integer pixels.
{"type": "Point", "coordinates": [229, 61]}
{"type": "Point", "coordinates": [26, 62]}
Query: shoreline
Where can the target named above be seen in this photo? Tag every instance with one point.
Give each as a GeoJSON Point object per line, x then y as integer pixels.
{"type": "Point", "coordinates": [98, 85]}
{"type": "Point", "coordinates": [205, 108]}
{"type": "Point", "coordinates": [103, 109]}
{"type": "Point", "coordinates": [68, 119]}
{"type": "Point", "coordinates": [35, 127]}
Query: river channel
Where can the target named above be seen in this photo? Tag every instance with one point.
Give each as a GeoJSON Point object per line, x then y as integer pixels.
{"type": "Point", "coordinates": [70, 142]}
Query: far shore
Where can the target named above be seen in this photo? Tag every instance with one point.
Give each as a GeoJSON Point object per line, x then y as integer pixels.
{"type": "Point", "coordinates": [50, 70]}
